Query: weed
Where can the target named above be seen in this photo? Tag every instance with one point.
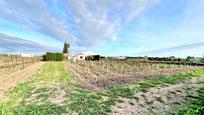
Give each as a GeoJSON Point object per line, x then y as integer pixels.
{"type": "Point", "coordinates": [172, 92]}
{"type": "Point", "coordinates": [136, 98]}
{"type": "Point", "coordinates": [194, 105]}
{"type": "Point", "coordinates": [149, 102]}
{"type": "Point", "coordinates": [159, 99]}
{"type": "Point", "coordinates": [120, 101]}
{"type": "Point", "coordinates": [131, 103]}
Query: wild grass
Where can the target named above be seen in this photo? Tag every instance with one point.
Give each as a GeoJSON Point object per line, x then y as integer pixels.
{"type": "Point", "coordinates": [54, 78]}
{"type": "Point", "coordinates": [129, 90]}
{"type": "Point", "coordinates": [194, 105]}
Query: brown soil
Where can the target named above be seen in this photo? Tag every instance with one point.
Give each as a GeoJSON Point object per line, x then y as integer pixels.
{"type": "Point", "coordinates": [159, 100]}
{"type": "Point", "coordinates": [11, 69]}
{"type": "Point", "coordinates": [12, 79]}
{"type": "Point", "coordinates": [95, 79]}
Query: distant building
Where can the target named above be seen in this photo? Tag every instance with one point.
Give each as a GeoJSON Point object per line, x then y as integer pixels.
{"type": "Point", "coordinates": [27, 55]}
{"type": "Point", "coordinates": [117, 57]}
{"type": "Point", "coordinates": [195, 60]}
{"type": "Point", "coordinates": [79, 56]}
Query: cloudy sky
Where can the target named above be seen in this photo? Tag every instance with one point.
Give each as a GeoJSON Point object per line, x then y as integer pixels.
{"type": "Point", "coordinates": [108, 27]}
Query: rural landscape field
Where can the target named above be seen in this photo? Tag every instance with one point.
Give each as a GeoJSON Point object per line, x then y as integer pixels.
{"type": "Point", "coordinates": [100, 87]}
{"type": "Point", "coordinates": [101, 57]}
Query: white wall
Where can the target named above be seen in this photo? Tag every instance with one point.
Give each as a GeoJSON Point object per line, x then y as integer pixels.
{"type": "Point", "coordinates": [27, 55]}
{"type": "Point", "coordinates": [81, 57]}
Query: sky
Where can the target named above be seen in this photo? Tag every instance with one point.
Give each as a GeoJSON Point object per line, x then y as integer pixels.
{"type": "Point", "coordinates": [107, 27]}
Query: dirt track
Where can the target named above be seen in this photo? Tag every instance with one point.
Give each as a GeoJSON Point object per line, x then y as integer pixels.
{"type": "Point", "coordinates": [12, 79]}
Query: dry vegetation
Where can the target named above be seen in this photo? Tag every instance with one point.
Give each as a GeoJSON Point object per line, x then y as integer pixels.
{"type": "Point", "coordinates": [14, 63]}
{"type": "Point", "coordinates": [97, 75]}
{"type": "Point", "coordinates": [14, 78]}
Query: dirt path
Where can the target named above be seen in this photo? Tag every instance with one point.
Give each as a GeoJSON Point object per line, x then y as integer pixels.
{"type": "Point", "coordinates": [159, 100]}
{"type": "Point", "coordinates": [10, 80]}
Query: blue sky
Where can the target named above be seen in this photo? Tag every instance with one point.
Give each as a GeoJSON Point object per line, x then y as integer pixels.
{"type": "Point", "coordinates": [108, 27]}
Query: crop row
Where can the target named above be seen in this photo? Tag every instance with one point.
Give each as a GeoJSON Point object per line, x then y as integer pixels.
{"type": "Point", "coordinates": [11, 63]}
{"type": "Point", "coordinates": [100, 74]}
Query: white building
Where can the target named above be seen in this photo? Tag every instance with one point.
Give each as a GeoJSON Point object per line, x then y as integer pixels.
{"type": "Point", "coordinates": [27, 55]}
{"type": "Point", "coordinates": [80, 56]}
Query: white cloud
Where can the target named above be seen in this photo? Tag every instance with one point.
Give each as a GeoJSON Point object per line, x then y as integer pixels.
{"type": "Point", "coordinates": [11, 44]}
{"type": "Point", "coordinates": [180, 51]}
{"type": "Point", "coordinates": [83, 23]}
{"type": "Point", "coordinates": [101, 20]}
{"type": "Point", "coordinates": [34, 16]}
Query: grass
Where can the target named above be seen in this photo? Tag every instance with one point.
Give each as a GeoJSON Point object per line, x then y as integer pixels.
{"type": "Point", "coordinates": [129, 90]}
{"type": "Point", "coordinates": [159, 99]}
{"type": "Point", "coordinates": [34, 97]}
{"type": "Point", "coordinates": [194, 105]}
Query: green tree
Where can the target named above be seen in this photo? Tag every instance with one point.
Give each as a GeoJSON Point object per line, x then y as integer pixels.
{"type": "Point", "coordinates": [66, 47]}
{"type": "Point", "coordinates": [189, 58]}
{"type": "Point", "coordinates": [202, 60]}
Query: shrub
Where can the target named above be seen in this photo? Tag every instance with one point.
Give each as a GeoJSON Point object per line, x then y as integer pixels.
{"type": "Point", "coordinates": [202, 60]}
{"type": "Point", "coordinates": [90, 58]}
{"type": "Point", "coordinates": [53, 57]}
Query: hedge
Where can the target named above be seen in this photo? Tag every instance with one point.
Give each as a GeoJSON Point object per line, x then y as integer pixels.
{"type": "Point", "coordinates": [53, 57]}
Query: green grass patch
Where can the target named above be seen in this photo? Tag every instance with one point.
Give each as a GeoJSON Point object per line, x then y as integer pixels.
{"type": "Point", "coordinates": [128, 91]}
{"type": "Point", "coordinates": [44, 109]}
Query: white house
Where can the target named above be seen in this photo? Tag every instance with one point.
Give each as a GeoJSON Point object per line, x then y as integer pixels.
{"type": "Point", "coordinates": [27, 55]}
{"type": "Point", "coordinates": [80, 56]}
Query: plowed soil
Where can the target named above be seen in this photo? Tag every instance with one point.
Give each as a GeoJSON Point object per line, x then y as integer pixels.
{"type": "Point", "coordinates": [96, 79]}
{"type": "Point", "coordinates": [9, 80]}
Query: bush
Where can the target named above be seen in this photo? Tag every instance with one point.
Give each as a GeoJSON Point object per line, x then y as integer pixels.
{"type": "Point", "coordinates": [202, 60]}
{"type": "Point", "coordinates": [53, 57]}
{"type": "Point", "coordinates": [90, 58]}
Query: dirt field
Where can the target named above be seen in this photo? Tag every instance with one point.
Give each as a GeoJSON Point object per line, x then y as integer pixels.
{"type": "Point", "coordinates": [10, 64]}
{"type": "Point", "coordinates": [95, 76]}
{"type": "Point", "coordinates": [8, 80]}
{"type": "Point", "coordinates": [50, 88]}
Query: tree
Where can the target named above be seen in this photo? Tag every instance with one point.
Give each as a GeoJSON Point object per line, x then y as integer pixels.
{"type": "Point", "coordinates": [189, 58]}
{"type": "Point", "coordinates": [172, 58]}
{"type": "Point", "coordinates": [65, 49]}
{"type": "Point", "coordinates": [202, 59]}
